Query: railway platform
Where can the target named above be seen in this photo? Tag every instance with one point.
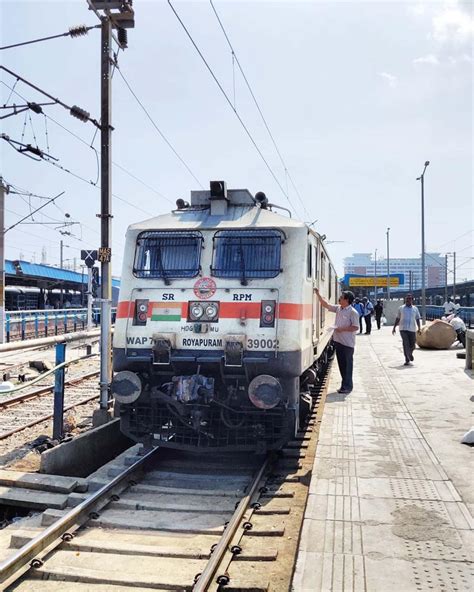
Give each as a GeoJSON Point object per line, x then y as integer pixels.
{"type": "Point", "coordinates": [391, 496]}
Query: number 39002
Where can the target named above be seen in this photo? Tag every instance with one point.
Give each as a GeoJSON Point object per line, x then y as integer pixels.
{"type": "Point", "coordinates": [262, 344]}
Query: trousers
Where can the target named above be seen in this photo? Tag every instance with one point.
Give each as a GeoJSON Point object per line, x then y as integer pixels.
{"type": "Point", "coordinates": [368, 323]}
{"type": "Point", "coordinates": [345, 361]}
{"type": "Point", "coordinates": [409, 342]}
{"type": "Point", "coordinates": [378, 318]}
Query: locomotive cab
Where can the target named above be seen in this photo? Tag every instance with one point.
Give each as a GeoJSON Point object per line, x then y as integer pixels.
{"type": "Point", "coordinates": [217, 325]}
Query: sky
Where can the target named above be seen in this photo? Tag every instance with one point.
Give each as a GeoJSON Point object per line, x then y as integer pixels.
{"type": "Point", "coordinates": [357, 96]}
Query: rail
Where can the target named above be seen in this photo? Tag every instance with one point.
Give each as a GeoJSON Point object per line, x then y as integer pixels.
{"type": "Point", "coordinates": [32, 324]}
{"type": "Point", "coordinates": [31, 555]}
{"type": "Point", "coordinates": [466, 313]}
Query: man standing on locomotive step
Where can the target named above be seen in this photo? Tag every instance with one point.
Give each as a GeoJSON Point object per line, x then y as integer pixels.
{"type": "Point", "coordinates": [408, 318]}
{"type": "Point", "coordinates": [345, 328]}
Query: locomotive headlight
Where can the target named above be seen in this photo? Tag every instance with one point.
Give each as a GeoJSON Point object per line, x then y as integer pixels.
{"type": "Point", "coordinates": [211, 311]}
{"type": "Point", "coordinates": [196, 312]}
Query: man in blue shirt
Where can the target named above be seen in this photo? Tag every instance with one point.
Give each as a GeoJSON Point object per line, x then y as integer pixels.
{"type": "Point", "coordinates": [360, 311]}
{"type": "Point", "coordinates": [408, 318]}
{"type": "Point", "coordinates": [368, 309]}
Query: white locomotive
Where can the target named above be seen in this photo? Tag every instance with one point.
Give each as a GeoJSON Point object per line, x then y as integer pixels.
{"type": "Point", "coordinates": [219, 335]}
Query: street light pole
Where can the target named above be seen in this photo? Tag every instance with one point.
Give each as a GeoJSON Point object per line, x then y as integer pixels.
{"type": "Point", "coordinates": [423, 286]}
{"type": "Point", "coordinates": [388, 263]}
{"type": "Point", "coordinates": [3, 191]}
{"type": "Point", "coordinates": [446, 277]}
{"type": "Point", "coordinates": [375, 276]}
{"type": "Point", "coordinates": [454, 276]}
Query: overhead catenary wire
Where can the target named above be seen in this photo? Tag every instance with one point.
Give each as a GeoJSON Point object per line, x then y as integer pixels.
{"type": "Point", "coordinates": [75, 111]}
{"type": "Point", "coordinates": [77, 31]}
{"type": "Point", "coordinates": [236, 113]}
{"type": "Point", "coordinates": [168, 143]}
{"type": "Point", "coordinates": [236, 59]}
{"type": "Point", "coordinates": [97, 152]}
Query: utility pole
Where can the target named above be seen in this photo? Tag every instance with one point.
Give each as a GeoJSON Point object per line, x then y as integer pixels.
{"type": "Point", "coordinates": [105, 218]}
{"type": "Point", "coordinates": [61, 263]}
{"type": "Point", "coordinates": [117, 14]}
{"type": "Point", "coordinates": [388, 263]}
{"type": "Point", "coordinates": [446, 277]}
{"type": "Point", "coordinates": [454, 276]}
{"type": "Point", "coordinates": [423, 290]}
{"type": "Point", "coordinates": [3, 191]}
{"type": "Point", "coordinates": [375, 276]}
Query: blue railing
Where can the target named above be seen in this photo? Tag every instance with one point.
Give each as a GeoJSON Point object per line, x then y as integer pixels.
{"type": "Point", "coordinates": [32, 324]}
{"type": "Point", "coordinates": [436, 312]}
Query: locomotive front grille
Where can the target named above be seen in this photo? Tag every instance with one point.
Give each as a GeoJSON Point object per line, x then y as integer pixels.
{"type": "Point", "coordinates": [250, 430]}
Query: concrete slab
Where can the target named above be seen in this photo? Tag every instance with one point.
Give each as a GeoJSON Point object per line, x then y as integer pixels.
{"type": "Point", "coordinates": [52, 483]}
{"type": "Point", "coordinates": [392, 484]}
{"type": "Point", "coordinates": [31, 498]}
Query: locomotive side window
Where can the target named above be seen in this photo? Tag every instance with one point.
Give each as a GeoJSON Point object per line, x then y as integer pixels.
{"type": "Point", "coordinates": [330, 283]}
{"type": "Point", "coordinates": [247, 254]}
{"type": "Point", "coordinates": [167, 255]}
{"type": "Point", "coordinates": [315, 259]}
{"type": "Point", "coordinates": [323, 266]}
{"type": "Point", "coordinates": [309, 262]}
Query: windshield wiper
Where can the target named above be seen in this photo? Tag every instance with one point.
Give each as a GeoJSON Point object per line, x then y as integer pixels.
{"type": "Point", "coordinates": [161, 267]}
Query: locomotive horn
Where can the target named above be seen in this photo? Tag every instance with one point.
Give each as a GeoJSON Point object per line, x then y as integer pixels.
{"type": "Point", "coordinates": [265, 391]}
{"type": "Point", "coordinates": [262, 199]}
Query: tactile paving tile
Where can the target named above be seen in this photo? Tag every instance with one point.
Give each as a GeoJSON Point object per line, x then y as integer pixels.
{"type": "Point", "coordinates": [442, 576]}
{"type": "Point", "coordinates": [407, 489]}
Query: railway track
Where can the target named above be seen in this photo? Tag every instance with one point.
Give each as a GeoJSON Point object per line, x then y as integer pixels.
{"type": "Point", "coordinates": [176, 521]}
{"type": "Point", "coordinates": [34, 406]}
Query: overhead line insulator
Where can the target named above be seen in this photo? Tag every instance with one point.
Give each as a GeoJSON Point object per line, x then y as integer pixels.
{"type": "Point", "coordinates": [78, 31]}
{"type": "Point", "coordinates": [81, 114]}
{"type": "Point", "coordinates": [122, 37]}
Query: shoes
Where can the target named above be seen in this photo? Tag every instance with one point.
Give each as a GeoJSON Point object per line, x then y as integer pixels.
{"type": "Point", "coordinates": [407, 363]}
{"type": "Point", "coordinates": [344, 391]}
{"type": "Point", "coordinates": [411, 358]}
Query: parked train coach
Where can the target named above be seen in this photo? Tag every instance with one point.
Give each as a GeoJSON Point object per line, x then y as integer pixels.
{"type": "Point", "coordinates": [219, 335]}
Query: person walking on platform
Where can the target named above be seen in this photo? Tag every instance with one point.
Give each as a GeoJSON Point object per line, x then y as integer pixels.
{"type": "Point", "coordinates": [378, 309]}
{"type": "Point", "coordinates": [408, 318]}
{"type": "Point", "coordinates": [368, 312]}
{"type": "Point", "coordinates": [359, 307]}
{"type": "Point", "coordinates": [346, 325]}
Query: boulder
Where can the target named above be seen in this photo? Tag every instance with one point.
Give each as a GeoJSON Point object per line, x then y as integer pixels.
{"type": "Point", "coordinates": [437, 335]}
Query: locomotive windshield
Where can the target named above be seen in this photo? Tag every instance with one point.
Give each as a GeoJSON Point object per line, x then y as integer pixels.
{"type": "Point", "coordinates": [247, 254]}
{"type": "Point", "coordinates": [168, 255]}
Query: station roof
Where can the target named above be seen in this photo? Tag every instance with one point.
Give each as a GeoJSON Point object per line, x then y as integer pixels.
{"type": "Point", "coordinates": [23, 272]}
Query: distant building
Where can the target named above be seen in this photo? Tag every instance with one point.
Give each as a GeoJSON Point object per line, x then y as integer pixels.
{"type": "Point", "coordinates": [364, 264]}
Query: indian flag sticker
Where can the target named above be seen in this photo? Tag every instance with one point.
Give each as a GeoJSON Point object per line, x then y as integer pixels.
{"type": "Point", "coordinates": [166, 311]}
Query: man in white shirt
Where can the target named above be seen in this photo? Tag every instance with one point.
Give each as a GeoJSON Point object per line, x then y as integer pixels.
{"type": "Point", "coordinates": [449, 307]}
{"type": "Point", "coordinates": [346, 326]}
{"type": "Point", "coordinates": [408, 318]}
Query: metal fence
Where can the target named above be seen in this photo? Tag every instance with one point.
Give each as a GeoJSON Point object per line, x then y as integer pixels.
{"type": "Point", "coordinates": [31, 324]}
{"type": "Point", "coordinates": [465, 313]}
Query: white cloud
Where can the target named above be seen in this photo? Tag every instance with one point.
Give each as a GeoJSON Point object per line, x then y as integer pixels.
{"type": "Point", "coordinates": [462, 59]}
{"type": "Point", "coordinates": [452, 23]}
{"type": "Point", "coordinates": [390, 78]}
{"type": "Point", "coordinates": [427, 59]}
